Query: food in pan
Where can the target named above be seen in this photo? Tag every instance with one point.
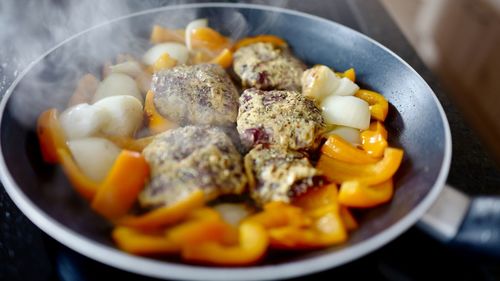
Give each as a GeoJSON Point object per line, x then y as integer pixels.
{"type": "Point", "coordinates": [183, 163]}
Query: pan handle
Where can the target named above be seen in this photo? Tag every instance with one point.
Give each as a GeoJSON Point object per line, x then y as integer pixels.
{"type": "Point", "coordinates": [471, 224]}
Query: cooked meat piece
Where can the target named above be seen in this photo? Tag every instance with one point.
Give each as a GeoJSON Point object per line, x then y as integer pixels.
{"type": "Point", "coordinates": [278, 174]}
{"type": "Point", "coordinates": [264, 66]}
{"type": "Point", "coordinates": [196, 94]}
{"type": "Point", "coordinates": [189, 158]}
{"type": "Point", "coordinates": [284, 118]}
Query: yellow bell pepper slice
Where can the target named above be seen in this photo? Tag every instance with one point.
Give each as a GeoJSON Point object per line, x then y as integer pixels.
{"type": "Point", "coordinates": [374, 140]}
{"type": "Point", "coordinates": [252, 245]}
{"type": "Point", "coordinates": [339, 171]}
{"type": "Point", "coordinates": [164, 216]}
{"type": "Point", "coordinates": [336, 147]}
{"type": "Point", "coordinates": [202, 225]}
{"type": "Point", "coordinates": [157, 123]}
{"type": "Point", "coordinates": [379, 107]}
{"type": "Point", "coordinates": [265, 38]}
{"type": "Point", "coordinates": [164, 62]}
{"type": "Point", "coordinates": [143, 243]}
{"type": "Point", "coordinates": [224, 59]}
{"type": "Point", "coordinates": [359, 195]}
{"type": "Point", "coordinates": [119, 190]}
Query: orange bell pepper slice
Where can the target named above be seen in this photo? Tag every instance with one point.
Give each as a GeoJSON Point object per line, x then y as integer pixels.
{"type": "Point", "coordinates": [336, 147]}
{"type": "Point", "coordinates": [252, 245]}
{"type": "Point", "coordinates": [350, 222]}
{"type": "Point", "coordinates": [374, 140]}
{"type": "Point", "coordinates": [328, 229]}
{"type": "Point", "coordinates": [339, 171]}
{"type": "Point", "coordinates": [80, 182]}
{"type": "Point", "coordinates": [50, 135]}
{"type": "Point", "coordinates": [142, 243]}
{"type": "Point", "coordinates": [119, 190]}
{"type": "Point", "coordinates": [318, 197]}
{"type": "Point", "coordinates": [157, 123]}
{"type": "Point", "coordinates": [224, 59]}
{"type": "Point", "coordinates": [359, 195]}
{"type": "Point", "coordinates": [379, 107]}
{"type": "Point", "coordinates": [277, 214]}
{"type": "Point", "coordinates": [208, 38]}
{"type": "Point", "coordinates": [161, 34]}
{"type": "Point", "coordinates": [164, 216]}
{"type": "Point", "coordinates": [265, 38]}
{"type": "Point", "coordinates": [164, 62]}
{"type": "Point", "coordinates": [202, 225]}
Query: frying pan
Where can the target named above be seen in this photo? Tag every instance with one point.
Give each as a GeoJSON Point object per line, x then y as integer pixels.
{"type": "Point", "coordinates": [416, 123]}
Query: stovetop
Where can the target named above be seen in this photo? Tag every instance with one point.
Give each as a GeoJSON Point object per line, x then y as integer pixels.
{"type": "Point", "coordinates": [26, 253]}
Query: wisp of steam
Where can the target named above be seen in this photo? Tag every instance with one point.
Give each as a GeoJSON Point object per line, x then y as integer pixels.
{"type": "Point", "coordinates": [46, 23]}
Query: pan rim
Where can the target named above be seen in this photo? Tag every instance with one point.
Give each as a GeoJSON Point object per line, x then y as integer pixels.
{"type": "Point", "coordinates": [160, 269]}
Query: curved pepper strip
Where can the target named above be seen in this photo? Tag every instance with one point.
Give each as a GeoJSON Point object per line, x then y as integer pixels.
{"type": "Point", "coordinates": [277, 214]}
{"type": "Point", "coordinates": [164, 216]}
{"type": "Point", "coordinates": [208, 38]}
{"type": "Point", "coordinates": [122, 185]}
{"type": "Point", "coordinates": [201, 225]}
{"type": "Point", "coordinates": [50, 135]}
{"type": "Point", "coordinates": [359, 195]}
{"type": "Point", "coordinates": [339, 171]}
{"type": "Point", "coordinates": [224, 59]}
{"type": "Point", "coordinates": [374, 140]}
{"type": "Point", "coordinates": [157, 123]}
{"type": "Point", "coordinates": [252, 245]}
{"type": "Point", "coordinates": [137, 242]}
{"type": "Point", "coordinates": [336, 147]}
{"type": "Point", "coordinates": [379, 107]}
{"type": "Point", "coordinates": [266, 38]}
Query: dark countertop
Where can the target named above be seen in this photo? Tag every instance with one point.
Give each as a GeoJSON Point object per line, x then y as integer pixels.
{"type": "Point", "coordinates": [28, 254]}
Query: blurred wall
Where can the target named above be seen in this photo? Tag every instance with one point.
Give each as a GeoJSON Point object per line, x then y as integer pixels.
{"type": "Point", "coordinates": [460, 41]}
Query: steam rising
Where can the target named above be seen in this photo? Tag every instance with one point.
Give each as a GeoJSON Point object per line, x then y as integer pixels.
{"type": "Point", "coordinates": [33, 27]}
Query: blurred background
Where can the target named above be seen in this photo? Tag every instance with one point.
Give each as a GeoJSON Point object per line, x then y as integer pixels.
{"type": "Point", "coordinates": [459, 40]}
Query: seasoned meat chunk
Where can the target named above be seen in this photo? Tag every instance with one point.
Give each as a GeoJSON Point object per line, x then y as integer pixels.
{"type": "Point", "coordinates": [189, 158]}
{"type": "Point", "coordinates": [196, 94]}
{"type": "Point", "coordinates": [278, 174]}
{"type": "Point", "coordinates": [284, 118]}
{"type": "Point", "coordinates": [264, 66]}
